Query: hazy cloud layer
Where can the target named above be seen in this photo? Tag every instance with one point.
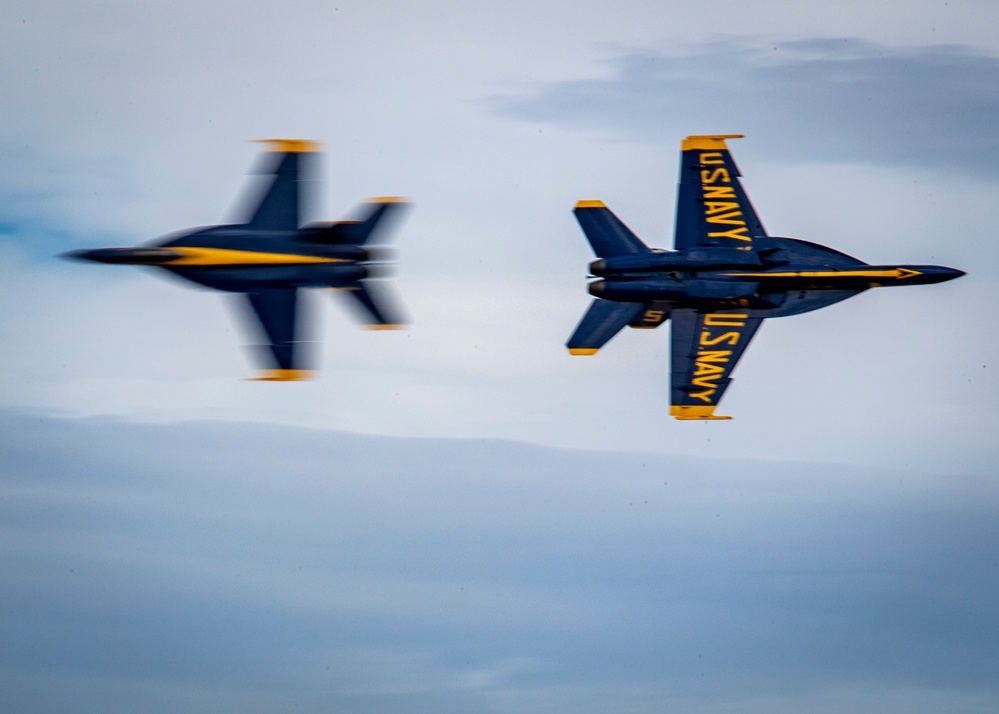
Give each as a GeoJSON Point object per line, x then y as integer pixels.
{"type": "Point", "coordinates": [205, 566]}
{"type": "Point", "coordinates": [828, 100]}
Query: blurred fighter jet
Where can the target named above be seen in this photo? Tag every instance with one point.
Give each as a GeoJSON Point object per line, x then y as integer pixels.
{"type": "Point", "coordinates": [270, 256]}
{"type": "Point", "coordinates": [724, 278]}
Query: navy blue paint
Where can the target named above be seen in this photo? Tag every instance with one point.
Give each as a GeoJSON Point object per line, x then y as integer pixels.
{"type": "Point", "coordinates": [717, 289]}
{"type": "Point", "coordinates": [274, 226]}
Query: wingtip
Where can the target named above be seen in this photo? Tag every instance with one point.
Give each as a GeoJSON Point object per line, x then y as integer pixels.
{"type": "Point", "coordinates": [291, 146]}
{"type": "Point", "coordinates": [583, 351]}
{"type": "Point", "coordinates": [708, 141]}
{"type": "Point", "coordinates": [590, 204]}
{"type": "Point", "coordinates": [692, 413]}
{"type": "Point", "coordinates": [284, 375]}
{"type": "Point", "coordinates": [389, 199]}
{"type": "Point", "coordinates": [384, 326]}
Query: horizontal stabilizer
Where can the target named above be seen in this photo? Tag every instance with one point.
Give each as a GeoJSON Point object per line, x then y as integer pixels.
{"type": "Point", "coordinates": [356, 232]}
{"type": "Point", "coordinates": [602, 321]}
{"type": "Point", "coordinates": [607, 234]}
{"type": "Point", "coordinates": [374, 306]}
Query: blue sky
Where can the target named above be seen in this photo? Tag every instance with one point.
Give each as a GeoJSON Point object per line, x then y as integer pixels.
{"type": "Point", "coordinates": [869, 129]}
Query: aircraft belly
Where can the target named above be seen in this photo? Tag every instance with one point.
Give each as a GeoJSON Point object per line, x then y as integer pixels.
{"type": "Point", "coordinates": [243, 278]}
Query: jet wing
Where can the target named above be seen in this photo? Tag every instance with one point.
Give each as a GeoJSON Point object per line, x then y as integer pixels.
{"type": "Point", "coordinates": [705, 349]}
{"type": "Point", "coordinates": [276, 312]}
{"type": "Point", "coordinates": [280, 204]}
{"type": "Point", "coordinates": [712, 207]}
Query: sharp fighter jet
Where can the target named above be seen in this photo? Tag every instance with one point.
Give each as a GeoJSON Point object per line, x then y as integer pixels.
{"type": "Point", "coordinates": [270, 256]}
{"type": "Point", "coordinates": [725, 276]}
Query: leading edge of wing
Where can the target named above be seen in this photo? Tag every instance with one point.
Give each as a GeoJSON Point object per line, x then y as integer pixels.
{"type": "Point", "coordinates": [607, 234]}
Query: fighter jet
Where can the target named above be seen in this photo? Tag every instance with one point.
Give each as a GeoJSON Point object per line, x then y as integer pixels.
{"type": "Point", "coordinates": [725, 276]}
{"type": "Point", "coordinates": [271, 256]}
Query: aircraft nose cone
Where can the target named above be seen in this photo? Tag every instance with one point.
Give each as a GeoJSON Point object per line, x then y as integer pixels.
{"type": "Point", "coordinates": [940, 273]}
{"type": "Point", "coordinates": [124, 256]}
{"type": "Point", "coordinates": [77, 255]}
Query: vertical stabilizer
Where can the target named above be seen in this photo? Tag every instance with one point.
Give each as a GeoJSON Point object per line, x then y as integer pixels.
{"type": "Point", "coordinates": [607, 234]}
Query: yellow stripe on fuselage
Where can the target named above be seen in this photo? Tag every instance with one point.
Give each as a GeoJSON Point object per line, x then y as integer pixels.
{"type": "Point", "coordinates": [222, 256]}
{"type": "Point", "coordinates": [900, 273]}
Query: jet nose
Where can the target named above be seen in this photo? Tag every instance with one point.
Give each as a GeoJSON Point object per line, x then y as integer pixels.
{"type": "Point", "coordinates": [124, 256]}
{"type": "Point", "coordinates": [939, 273]}
{"type": "Point", "coordinates": [77, 255]}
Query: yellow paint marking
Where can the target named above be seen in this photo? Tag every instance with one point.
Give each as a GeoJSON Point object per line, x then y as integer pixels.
{"type": "Point", "coordinates": [291, 146]}
{"type": "Point", "coordinates": [707, 339]}
{"type": "Point", "coordinates": [684, 413]}
{"type": "Point", "coordinates": [713, 176]}
{"type": "Point", "coordinates": [707, 142]}
{"type": "Point", "coordinates": [590, 204]}
{"type": "Point", "coordinates": [708, 382]}
{"type": "Point", "coordinates": [284, 375]}
{"type": "Point", "coordinates": [383, 326]}
{"type": "Point", "coordinates": [714, 356]}
{"type": "Point", "coordinates": [734, 233]}
{"type": "Point", "coordinates": [731, 219]}
{"type": "Point", "coordinates": [388, 199]}
{"type": "Point", "coordinates": [583, 350]}
{"type": "Point", "coordinates": [731, 319]}
{"type": "Point", "coordinates": [901, 273]}
{"type": "Point", "coordinates": [223, 256]}
{"type": "Point", "coordinates": [719, 192]}
{"type": "Point", "coordinates": [705, 368]}
{"type": "Point", "coordinates": [713, 207]}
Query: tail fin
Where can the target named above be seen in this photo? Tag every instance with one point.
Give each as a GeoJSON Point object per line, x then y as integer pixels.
{"type": "Point", "coordinates": [602, 321]}
{"type": "Point", "coordinates": [607, 234]}
{"type": "Point", "coordinates": [356, 232]}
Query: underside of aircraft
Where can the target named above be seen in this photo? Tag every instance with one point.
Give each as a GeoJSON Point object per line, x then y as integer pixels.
{"type": "Point", "coordinates": [723, 278]}
{"type": "Point", "coordinates": [271, 256]}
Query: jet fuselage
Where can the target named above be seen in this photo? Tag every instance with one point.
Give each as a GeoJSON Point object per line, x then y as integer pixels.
{"type": "Point", "coordinates": [703, 280]}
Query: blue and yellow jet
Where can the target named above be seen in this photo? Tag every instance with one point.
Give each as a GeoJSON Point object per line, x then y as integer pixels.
{"type": "Point", "coordinates": [272, 255]}
{"type": "Point", "coordinates": [725, 276]}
